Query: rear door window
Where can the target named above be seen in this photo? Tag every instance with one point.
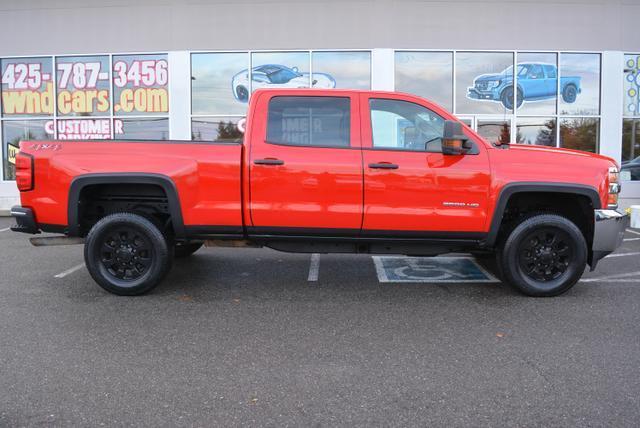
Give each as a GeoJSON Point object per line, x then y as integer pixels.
{"type": "Point", "coordinates": [309, 121]}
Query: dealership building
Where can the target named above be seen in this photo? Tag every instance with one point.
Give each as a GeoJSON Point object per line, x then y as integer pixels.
{"type": "Point", "coordinates": [547, 72]}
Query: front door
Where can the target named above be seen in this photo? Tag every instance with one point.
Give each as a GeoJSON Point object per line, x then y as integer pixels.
{"type": "Point", "coordinates": [410, 186]}
{"type": "Point", "coordinates": [306, 165]}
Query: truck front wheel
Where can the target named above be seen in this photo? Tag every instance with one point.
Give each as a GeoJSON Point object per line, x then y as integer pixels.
{"type": "Point", "coordinates": [507, 98]}
{"type": "Point", "coordinates": [543, 255]}
{"type": "Point", "coordinates": [126, 254]}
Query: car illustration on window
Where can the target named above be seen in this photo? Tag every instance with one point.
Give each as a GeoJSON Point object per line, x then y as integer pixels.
{"type": "Point", "coordinates": [277, 76]}
{"type": "Point", "coordinates": [536, 81]}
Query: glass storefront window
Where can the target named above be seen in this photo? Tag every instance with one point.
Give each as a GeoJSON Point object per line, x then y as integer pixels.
{"type": "Point", "coordinates": [581, 133]}
{"type": "Point", "coordinates": [537, 83]}
{"type": "Point", "coordinates": [350, 70]}
{"type": "Point", "coordinates": [141, 129]}
{"type": "Point", "coordinates": [579, 84]}
{"type": "Point", "coordinates": [630, 139]}
{"type": "Point", "coordinates": [223, 129]}
{"type": "Point", "coordinates": [140, 85]}
{"type": "Point", "coordinates": [13, 131]}
{"type": "Point", "coordinates": [536, 130]}
{"type": "Point", "coordinates": [484, 82]}
{"type": "Point", "coordinates": [219, 83]}
{"type": "Point", "coordinates": [495, 131]}
{"type": "Point", "coordinates": [280, 70]}
{"type": "Point", "coordinates": [27, 87]}
{"type": "Point", "coordinates": [426, 74]}
{"type": "Point", "coordinates": [83, 85]}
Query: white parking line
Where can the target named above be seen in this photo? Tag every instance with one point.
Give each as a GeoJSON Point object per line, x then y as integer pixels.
{"type": "Point", "coordinates": [633, 231]}
{"type": "Point", "coordinates": [631, 239]}
{"type": "Point", "coordinates": [314, 268]}
{"type": "Point", "coordinates": [622, 255]}
{"type": "Point", "coordinates": [5, 229]}
{"type": "Point", "coordinates": [69, 271]}
{"type": "Point", "coordinates": [618, 277]}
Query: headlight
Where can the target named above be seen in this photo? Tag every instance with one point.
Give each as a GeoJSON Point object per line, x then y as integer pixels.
{"type": "Point", "coordinates": [493, 84]}
{"type": "Point", "coordinates": [614, 187]}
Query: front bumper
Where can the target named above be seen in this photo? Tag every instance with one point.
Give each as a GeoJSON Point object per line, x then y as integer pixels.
{"type": "Point", "coordinates": [481, 95]}
{"type": "Point", "coordinates": [25, 220]}
{"type": "Point", "coordinates": [608, 232]}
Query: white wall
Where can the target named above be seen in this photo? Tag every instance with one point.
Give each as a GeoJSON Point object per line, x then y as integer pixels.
{"type": "Point", "coordinates": [81, 26]}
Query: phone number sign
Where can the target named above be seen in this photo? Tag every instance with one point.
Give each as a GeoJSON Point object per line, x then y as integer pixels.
{"type": "Point", "coordinates": [83, 85]}
{"type": "Point", "coordinates": [140, 84]}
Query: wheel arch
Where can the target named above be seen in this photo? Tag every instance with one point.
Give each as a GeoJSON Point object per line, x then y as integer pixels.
{"type": "Point", "coordinates": [163, 181]}
{"type": "Point", "coordinates": [512, 189]}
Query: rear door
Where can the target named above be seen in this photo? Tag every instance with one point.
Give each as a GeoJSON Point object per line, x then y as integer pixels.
{"type": "Point", "coordinates": [306, 165]}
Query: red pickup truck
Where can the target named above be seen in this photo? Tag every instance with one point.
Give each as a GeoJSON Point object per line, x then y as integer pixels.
{"type": "Point", "coordinates": [326, 171]}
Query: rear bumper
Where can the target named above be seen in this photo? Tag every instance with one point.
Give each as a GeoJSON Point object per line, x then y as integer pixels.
{"type": "Point", "coordinates": [608, 232]}
{"type": "Point", "coordinates": [25, 220]}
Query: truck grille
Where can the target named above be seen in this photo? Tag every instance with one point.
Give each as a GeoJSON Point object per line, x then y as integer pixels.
{"type": "Point", "coordinates": [481, 86]}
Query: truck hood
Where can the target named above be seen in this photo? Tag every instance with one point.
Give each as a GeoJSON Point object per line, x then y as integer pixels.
{"type": "Point", "coordinates": [567, 154]}
{"type": "Point", "coordinates": [487, 77]}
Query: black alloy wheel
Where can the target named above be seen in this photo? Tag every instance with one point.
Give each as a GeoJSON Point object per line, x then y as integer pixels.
{"type": "Point", "coordinates": [545, 254]}
{"type": "Point", "coordinates": [127, 254]}
{"type": "Point", "coordinates": [542, 254]}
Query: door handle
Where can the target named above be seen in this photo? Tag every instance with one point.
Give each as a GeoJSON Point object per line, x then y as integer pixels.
{"type": "Point", "coordinates": [383, 165]}
{"type": "Point", "coordinates": [268, 161]}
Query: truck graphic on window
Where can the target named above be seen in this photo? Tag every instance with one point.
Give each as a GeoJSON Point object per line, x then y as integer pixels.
{"type": "Point", "coordinates": [277, 76]}
{"type": "Point", "coordinates": [536, 81]}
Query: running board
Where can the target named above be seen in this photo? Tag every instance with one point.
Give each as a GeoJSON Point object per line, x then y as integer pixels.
{"type": "Point", "coordinates": [55, 240]}
{"type": "Point", "coordinates": [231, 243]}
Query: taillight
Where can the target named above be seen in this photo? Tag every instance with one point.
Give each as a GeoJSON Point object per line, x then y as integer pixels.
{"type": "Point", "coordinates": [24, 171]}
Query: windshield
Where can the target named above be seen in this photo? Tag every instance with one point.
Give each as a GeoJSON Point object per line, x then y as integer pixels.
{"type": "Point", "coordinates": [522, 70]}
{"type": "Point", "coordinates": [281, 75]}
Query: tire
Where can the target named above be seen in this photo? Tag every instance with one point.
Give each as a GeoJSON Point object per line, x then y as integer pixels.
{"type": "Point", "coordinates": [507, 98]}
{"type": "Point", "coordinates": [185, 250]}
{"type": "Point", "coordinates": [544, 255]}
{"type": "Point", "coordinates": [126, 254]}
{"type": "Point", "coordinates": [242, 93]}
{"type": "Point", "coordinates": [569, 94]}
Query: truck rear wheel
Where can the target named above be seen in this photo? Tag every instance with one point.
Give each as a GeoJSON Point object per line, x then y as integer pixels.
{"type": "Point", "coordinates": [126, 254]}
{"type": "Point", "coordinates": [544, 255]}
{"type": "Point", "coordinates": [569, 94]}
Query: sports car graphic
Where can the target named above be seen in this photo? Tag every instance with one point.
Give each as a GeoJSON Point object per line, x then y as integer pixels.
{"type": "Point", "coordinates": [276, 76]}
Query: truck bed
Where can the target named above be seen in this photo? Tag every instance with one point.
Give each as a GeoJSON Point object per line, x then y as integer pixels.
{"type": "Point", "coordinates": [207, 175]}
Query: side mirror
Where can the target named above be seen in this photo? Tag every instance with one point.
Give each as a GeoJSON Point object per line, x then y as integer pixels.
{"type": "Point", "coordinates": [454, 141]}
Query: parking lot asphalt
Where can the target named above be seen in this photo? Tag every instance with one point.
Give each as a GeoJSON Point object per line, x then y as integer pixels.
{"type": "Point", "coordinates": [248, 337]}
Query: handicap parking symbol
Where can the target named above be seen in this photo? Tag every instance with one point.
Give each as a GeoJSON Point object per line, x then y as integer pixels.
{"type": "Point", "coordinates": [430, 269]}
